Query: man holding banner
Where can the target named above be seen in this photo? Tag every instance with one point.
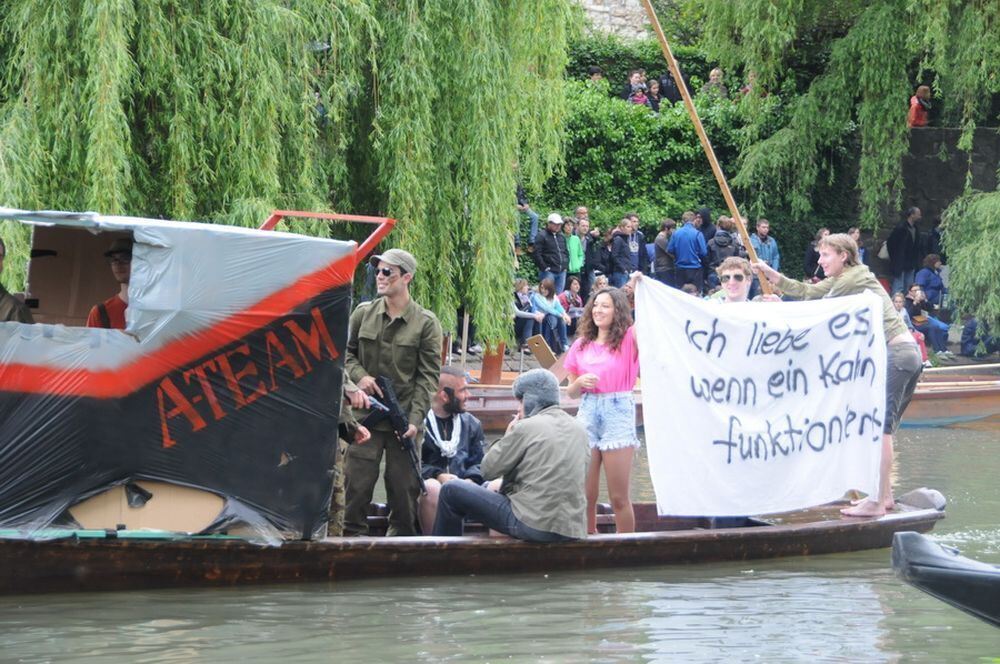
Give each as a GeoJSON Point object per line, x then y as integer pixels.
{"type": "Point", "coordinates": [846, 275]}
{"type": "Point", "coordinates": [769, 407]}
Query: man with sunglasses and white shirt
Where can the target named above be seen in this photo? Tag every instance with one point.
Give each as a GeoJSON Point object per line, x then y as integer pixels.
{"type": "Point", "coordinates": [390, 336]}
{"type": "Point", "coordinates": [735, 279]}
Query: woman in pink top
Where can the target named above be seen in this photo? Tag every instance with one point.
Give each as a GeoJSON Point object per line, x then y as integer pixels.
{"type": "Point", "coordinates": [603, 364]}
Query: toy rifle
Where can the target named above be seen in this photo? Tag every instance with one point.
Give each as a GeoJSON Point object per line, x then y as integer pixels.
{"type": "Point", "coordinates": [393, 412]}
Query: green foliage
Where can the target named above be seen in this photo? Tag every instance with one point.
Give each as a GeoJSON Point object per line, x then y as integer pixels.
{"type": "Point", "coordinates": [617, 57]}
{"type": "Point", "coordinates": [857, 86]}
{"type": "Point", "coordinates": [224, 110]}
{"type": "Point", "coordinates": [470, 88]}
{"type": "Point", "coordinates": [971, 225]}
{"type": "Point", "coordinates": [169, 108]}
{"type": "Point", "coordinates": [622, 157]}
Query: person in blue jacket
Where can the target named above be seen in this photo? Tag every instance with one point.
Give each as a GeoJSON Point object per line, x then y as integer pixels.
{"type": "Point", "coordinates": [687, 246]}
{"type": "Point", "coordinates": [929, 278]}
{"type": "Point", "coordinates": [972, 336]}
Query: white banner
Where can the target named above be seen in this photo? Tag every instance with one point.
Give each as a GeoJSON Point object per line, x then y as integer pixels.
{"type": "Point", "coordinates": [759, 407]}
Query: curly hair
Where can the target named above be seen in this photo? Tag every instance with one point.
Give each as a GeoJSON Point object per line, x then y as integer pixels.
{"type": "Point", "coordinates": [587, 330]}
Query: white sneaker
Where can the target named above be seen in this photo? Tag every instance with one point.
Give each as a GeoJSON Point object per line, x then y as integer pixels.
{"type": "Point", "coordinates": [927, 364]}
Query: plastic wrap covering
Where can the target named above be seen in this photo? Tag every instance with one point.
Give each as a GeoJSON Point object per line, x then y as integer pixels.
{"type": "Point", "coordinates": [227, 379]}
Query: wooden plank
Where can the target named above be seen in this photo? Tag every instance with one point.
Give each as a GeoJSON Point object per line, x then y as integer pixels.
{"type": "Point", "coordinates": [546, 358]}
{"type": "Point", "coordinates": [493, 365]}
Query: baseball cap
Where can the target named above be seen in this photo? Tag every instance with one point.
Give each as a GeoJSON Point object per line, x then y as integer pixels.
{"type": "Point", "coordinates": [122, 245]}
{"type": "Point", "coordinates": [554, 218]}
{"type": "Point", "coordinates": [404, 260]}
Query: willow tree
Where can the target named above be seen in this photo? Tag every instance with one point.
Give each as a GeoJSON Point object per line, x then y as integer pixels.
{"type": "Point", "coordinates": [468, 89]}
{"type": "Point", "coordinates": [223, 110]}
{"type": "Point", "coordinates": [877, 52]}
{"type": "Point", "coordinates": [216, 110]}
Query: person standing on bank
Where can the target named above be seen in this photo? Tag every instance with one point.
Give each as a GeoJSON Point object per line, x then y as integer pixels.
{"type": "Point", "coordinates": [12, 310]}
{"type": "Point", "coordinates": [603, 364]}
{"type": "Point", "coordinates": [905, 250]}
{"type": "Point", "coordinates": [845, 275]}
{"type": "Point", "coordinates": [391, 336]}
{"type": "Point", "coordinates": [551, 254]}
{"type": "Point", "coordinates": [687, 246]}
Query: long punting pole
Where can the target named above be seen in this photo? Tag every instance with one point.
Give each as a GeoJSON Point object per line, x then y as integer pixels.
{"type": "Point", "coordinates": [720, 177]}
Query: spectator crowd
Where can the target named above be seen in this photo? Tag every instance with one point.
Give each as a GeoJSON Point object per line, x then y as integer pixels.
{"type": "Point", "coordinates": [571, 254]}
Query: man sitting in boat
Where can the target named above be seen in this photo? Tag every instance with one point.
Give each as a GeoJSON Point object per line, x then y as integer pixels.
{"type": "Point", "coordinates": [453, 443]}
{"type": "Point", "coordinates": [543, 462]}
{"type": "Point", "coordinates": [111, 313]}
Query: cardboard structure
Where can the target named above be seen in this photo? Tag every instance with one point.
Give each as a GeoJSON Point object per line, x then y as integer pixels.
{"type": "Point", "coordinates": [220, 399]}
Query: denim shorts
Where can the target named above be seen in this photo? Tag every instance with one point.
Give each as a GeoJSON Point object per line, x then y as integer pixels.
{"type": "Point", "coordinates": [609, 419]}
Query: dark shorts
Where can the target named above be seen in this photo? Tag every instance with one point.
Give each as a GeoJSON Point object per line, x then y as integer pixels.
{"type": "Point", "coordinates": [904, 367]}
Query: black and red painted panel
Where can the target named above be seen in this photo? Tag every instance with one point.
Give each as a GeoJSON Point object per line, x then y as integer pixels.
{"type": "Point", "coordinates": [252, 418]}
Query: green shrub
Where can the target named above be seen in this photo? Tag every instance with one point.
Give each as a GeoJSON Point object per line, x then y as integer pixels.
{"type": "Point", "coordinates": [617, 57]}
{"type": "Point", "coordinates": [620, 157]}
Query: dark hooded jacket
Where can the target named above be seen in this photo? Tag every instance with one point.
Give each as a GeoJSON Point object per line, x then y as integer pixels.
{"type": "Point", "coordinates": [721, 247]}
{"type": "Point", "coordinates": [708, 229]}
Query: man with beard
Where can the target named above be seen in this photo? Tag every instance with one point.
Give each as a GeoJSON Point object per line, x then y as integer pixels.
{"type": "Point", "coordinates": [542, 461]}
{"type": "Point", "coordinates": [453, 443]}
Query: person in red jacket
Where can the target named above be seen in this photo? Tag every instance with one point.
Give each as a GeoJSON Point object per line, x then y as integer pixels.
{"type": "Point", "coordinates": [111, 312]}
{"type": "Point", "coordinates": [920, 107]}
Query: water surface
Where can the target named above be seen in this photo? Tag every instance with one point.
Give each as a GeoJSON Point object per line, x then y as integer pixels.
{"type": "Point", "coordinates": [836, 608]}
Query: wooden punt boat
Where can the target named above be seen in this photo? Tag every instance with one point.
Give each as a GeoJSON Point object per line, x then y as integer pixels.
{"type": "Point", "coordinates": [98, 561]}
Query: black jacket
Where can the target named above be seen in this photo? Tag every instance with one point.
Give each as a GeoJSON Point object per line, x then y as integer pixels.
{"type": "Point", "coordinates": [621, 255]}
{"type": "Point", "coordinates": [669, 89]}
{"type": "Point", "coordinates": [904, 248]}
{"type": "Point", "coordinates": [465, 463]}
{"type": "Point", "coordinates": [708, 228]}
{"type": "Point", "coordinates": [810, 263]}
{"type": "Point", "coordinates": [550, 251]}
{"type": "Point", "coordinates": [721, 247]}
{"type": "Point", "coordinates": [592, 253]}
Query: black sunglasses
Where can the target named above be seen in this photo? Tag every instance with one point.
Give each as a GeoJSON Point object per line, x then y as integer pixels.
{"type": "Point", "coordinates": [726, 277]}
{"type": "Point", "coordinates": [387, 272]}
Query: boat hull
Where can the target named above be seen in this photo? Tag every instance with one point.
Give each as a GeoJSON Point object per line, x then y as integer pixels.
{"type": "Point", "coordinates": [74, 564]}
{"type": "Point", "coordinates": [966, 584]}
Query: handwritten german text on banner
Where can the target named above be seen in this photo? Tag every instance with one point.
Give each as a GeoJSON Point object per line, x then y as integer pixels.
{"type": "Point", "coordinates": [763, 407]}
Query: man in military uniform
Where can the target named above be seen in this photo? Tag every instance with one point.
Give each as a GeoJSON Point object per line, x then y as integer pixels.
{"type": "Point", "coordinates": [11, 308]}
{"type": "Point", "coordinates": [395, 337]}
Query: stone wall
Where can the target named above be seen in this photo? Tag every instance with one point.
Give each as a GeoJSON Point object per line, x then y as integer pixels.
{"type": "Point", "coordinates": [625, 18]}
{"type": "Point", "coordinates": [935, 169]}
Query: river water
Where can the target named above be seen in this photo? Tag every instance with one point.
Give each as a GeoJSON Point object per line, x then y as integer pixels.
{"type": "Point", "coordinates": [836, 608]}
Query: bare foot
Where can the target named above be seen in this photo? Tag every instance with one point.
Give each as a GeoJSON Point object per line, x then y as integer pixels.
{"type": "Point", "coordinates": [889, 505]}
{"type": "Point", "coordinates": [865, 508]}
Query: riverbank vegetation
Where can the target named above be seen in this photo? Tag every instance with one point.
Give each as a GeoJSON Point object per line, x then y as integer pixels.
{"type": "Point", "coordinates": [431, 111]}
